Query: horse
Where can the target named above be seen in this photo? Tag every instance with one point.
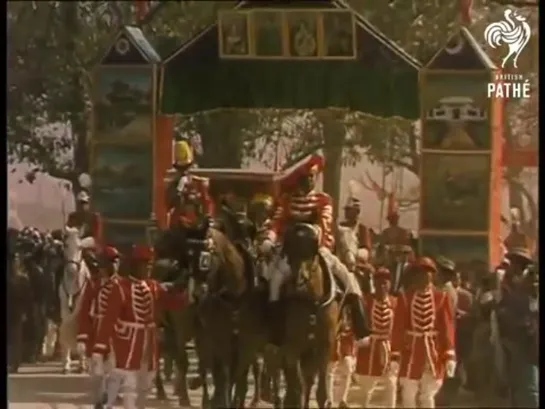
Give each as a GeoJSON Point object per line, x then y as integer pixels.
{"type": "Point", "coordinates": [226, 321]}
{"type": "Point", "coordinates": [75, 274]}
{"type": "Point", "coordinates": [311, 318]}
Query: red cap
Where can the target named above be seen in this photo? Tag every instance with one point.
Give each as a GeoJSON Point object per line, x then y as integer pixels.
{"type": "Point", "coordinates": [426, 264]}
{"type": "Point", "coordinates": [110, 253]}
{"type": "Point", "coordinates": [382, 272]}
{"type": "Point", "coordinates": [311, 164]}
{"type": "Point", "coordinates": [142, 253]}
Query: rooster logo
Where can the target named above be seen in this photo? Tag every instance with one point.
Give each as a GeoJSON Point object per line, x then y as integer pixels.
{"type": "Point", "coordinates": [513, 31]}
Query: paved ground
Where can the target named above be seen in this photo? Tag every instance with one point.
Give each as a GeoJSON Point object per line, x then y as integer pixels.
{"type": "Point", "coordinates": [43, 386]}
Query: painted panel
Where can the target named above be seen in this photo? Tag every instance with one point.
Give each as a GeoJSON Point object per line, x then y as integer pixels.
{"type": "Point", "coordinates": [461, 249]}
{"type": "Point", "coordinates": [124, 104]}
{"type": "Point", "coordinates": [124, 235]}
{"type": "Point", "coordinates": [268, 33]}
{"type": "Point", "coordinates": [233, 34]}
{"type": "Point", "coordinates": [462, 90]}
{"type": "Point", "coordinates": [303, 34]}
{"type": "Point", "coordinates": [339, 34]}
{"type": "Point", "coordinates": [122, 181]}
{"type": "Point", "coordinates": [455, 192]}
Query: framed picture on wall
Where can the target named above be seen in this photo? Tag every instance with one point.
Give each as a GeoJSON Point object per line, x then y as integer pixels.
{"type": "Point", "coordinates": [303, 33]}
{"type": "Point", "coordinates": [339, 34]}
{"type": "Point", "coordinates": [268, 33]}
{"type": "Point", "coordinates": [233, 34]}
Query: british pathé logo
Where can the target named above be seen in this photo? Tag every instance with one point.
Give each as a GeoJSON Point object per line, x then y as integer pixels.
{"type": "Point", "coordinates": [513, 30]}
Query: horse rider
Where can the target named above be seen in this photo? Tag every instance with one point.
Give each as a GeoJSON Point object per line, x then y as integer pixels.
{"type": "Point", "coordinates": [259, 213]}
{"type": "Point", "coordinates": [90, 225]}
{"type": "Point", "coordinates": [195, 203]}
{"type": "Point", "coordinates": [305, 205]}
{"type": "Point", "coordinates": [395, 246]}
{"type": "Point", "coordinates": [423, 344]}
{"type": "Point", "coordinates": [372, 360]}
{"type": "Point", "coordinates": [128, 328]}
{"type": "Point", "coordinates": [183, 161]}
{"type": "Point", "coordinates": [351, 222]}
{"type": "Point", "coordinates": [92, 309]}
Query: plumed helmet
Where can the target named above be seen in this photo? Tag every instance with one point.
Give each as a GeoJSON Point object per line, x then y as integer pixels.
{"type": "Point", "coordinates": [110, 253]}
{"type": "Point", "coordinates": [183, 154]}
{"type": "Point", "coordinates": [83, 197]}
{"type": "Point", "coordinates": [141, 253]}
{"type": "Point", "coordinates": [393, 211]}
{"type": "Point", "coordinates": [515, 216]}
{"type": "Point", "coordinates": [425, 264]}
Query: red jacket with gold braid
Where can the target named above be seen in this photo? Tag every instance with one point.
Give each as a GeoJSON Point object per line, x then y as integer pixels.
{"type": "Point", "coordinates": [373, 359]}
{"type": "Point", "coordinates": [92, 308]}
{"type": "Point", "coordinates": [194, 187]}
{"type": "Point", "coordinates": [313, 207]}
{"type": "Point", "coordinates": [91, 223]}
{"type": "Point", "coordinates": [423, 332]}
{"type": "Point", "coordinates": [129, 321]}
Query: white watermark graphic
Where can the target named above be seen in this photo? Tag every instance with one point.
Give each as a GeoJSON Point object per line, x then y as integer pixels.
{"type": "Point", "coordinates": [515, 32]}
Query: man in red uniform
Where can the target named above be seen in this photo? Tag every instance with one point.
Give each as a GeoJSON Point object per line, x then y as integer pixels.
{"type": "Point", "coordinates": [129, 327]}
{"type": "Point", "coordinates": [305, 205]}
{"type": "Point", "coordinates": [372, 360]}
{"type": "Point", "coordinates": [92, 310]}
{"type": "Point", "coordinates": [342, 363]}
{"type": "Point", "coordinates": [422, 338]}
{"type": "Point", "coordinates": [195, 202]}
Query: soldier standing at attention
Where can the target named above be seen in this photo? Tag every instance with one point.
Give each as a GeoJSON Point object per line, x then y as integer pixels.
{"type": "Point", "coordinates": [423, 344]}
{"type": "Point", "coordinates": [131, 309]}
{"type": "Point", "coordinates": [372, 360]}
{"type": "Point", "coordinates": [91, 312]}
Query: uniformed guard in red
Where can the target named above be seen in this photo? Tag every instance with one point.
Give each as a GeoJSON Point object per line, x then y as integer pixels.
{"type": "Point", "coordinates": [343, 362]}
{"type": "Point", "coordinates": [129, 325]}
{"type": "Point", "coordinates": [423, 343]}
{"type": "Point", "coordinates": [195, 201]}
{"type": "Point", "coordinates": [372, 360]}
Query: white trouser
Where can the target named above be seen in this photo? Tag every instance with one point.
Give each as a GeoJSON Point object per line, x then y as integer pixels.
{"type": "Point", "coordinates": [99, 382]}
{"type": "Point", "coordinates": [420, 393]}
{"type": "Point", "coordinates": [340, 271]}
{"type": "Point", "coordinates": [276, 273]}
{"type": "Point", "coordinates": [368, 384]}
{"type": "Point", "coordinates": [135, 387]}
{"type": "Point", "coordinates": [339, 378]}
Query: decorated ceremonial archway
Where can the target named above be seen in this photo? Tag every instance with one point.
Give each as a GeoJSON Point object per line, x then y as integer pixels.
{"type": "Point", "coordinates": [306, 55]}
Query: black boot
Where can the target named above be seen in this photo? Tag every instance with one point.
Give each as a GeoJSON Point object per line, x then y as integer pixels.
{"type": "Point", "coordinates": [359, 322]}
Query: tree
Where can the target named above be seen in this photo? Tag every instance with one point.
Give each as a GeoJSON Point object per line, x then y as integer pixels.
{"type": "Point", "coordinates": [53, 48]}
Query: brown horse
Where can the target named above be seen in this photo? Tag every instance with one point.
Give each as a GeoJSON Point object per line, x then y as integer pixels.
{"type": "Point", "coordinates": [311, 318]}
{"type": "Point", "coordinates": [228, 325]}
